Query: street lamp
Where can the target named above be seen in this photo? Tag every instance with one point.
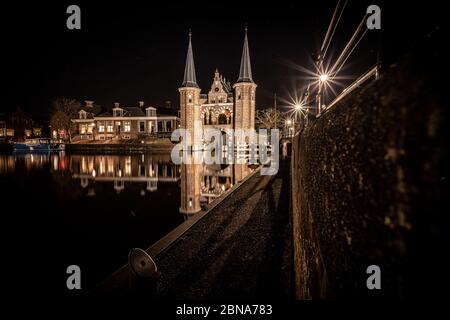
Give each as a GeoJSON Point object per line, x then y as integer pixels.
{"type": "Point", "coordinates": [323, 78]}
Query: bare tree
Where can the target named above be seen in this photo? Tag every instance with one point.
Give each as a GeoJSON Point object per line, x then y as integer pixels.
{"type": "Point", "coordinates": [269, 118]}
{"type": "Point", "coordinates": [63, 111]}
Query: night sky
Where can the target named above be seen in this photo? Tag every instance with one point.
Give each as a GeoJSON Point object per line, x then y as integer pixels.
{"type": "Point", "coordinates": [131, 51]}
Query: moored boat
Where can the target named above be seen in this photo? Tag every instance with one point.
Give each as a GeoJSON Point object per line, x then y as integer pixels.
{"type": "Point", "coordinates": [37, 145]}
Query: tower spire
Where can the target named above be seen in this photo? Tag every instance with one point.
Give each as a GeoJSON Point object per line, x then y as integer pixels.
{"type": "Point", "coordinates": [189, 79]}
{"type": "Point", "coordinates": [245, 72]}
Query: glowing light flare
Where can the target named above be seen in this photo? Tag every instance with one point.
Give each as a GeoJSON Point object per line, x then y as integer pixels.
{"type": "Point", "coordinates": [298, 107]}
{"type": "Point", "coordinates": [323, 77]}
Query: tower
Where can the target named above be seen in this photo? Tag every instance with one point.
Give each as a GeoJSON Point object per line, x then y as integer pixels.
{"type": "Point", "coordinates": [244, 92]}
{"type": "Point", "coordinates": [190, 182]}
{"type": "Point", "coordinates": [190, 99]}
{"type": "Point", "coordinates": [191, 121]}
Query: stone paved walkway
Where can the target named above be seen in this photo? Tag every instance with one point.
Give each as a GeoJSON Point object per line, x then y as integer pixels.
{"type": "Point", "coordinates": [240, 250]}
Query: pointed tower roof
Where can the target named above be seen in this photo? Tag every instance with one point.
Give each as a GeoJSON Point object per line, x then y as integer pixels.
{"type": "Point", "coordinates": [189, 79]}
{"type": "Point", "coordinates": [245, 73]}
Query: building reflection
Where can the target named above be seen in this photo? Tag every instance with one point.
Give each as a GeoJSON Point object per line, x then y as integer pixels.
{"type": "Point", "coordinates": [191, 176]}
{"type": "Point", "coordinates": [7, 165]}
{"type": "Point", "coordinates": [28, 161]}
{"type": "Point", "coordinates": [147, 170]}
{"type": "Point", "coordinates": [200, 184]}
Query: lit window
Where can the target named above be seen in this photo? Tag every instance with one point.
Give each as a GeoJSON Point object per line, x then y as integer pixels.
{"type": "Point", "coordinates": [128, 167]}
{"type": "Point", "coordinates": [61, 133]}
{"type": "Point", "coordinates": [83, 129]}
{"type": "Point", "coordinates": [101, 127]}
{"type": "Point", "coordinates": [109, 127]}
{"type": "Point", "coordinates": [36, 131]}
{"type": "Point", "coordinates": [127, 126]}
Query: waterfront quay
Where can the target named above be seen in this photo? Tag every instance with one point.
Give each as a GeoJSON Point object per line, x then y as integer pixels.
{"type": "Point", "coordinates": [240, 248]}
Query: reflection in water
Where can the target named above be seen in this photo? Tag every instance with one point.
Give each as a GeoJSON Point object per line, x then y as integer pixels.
{"type": "Point", "coordinates": [145, 170]}
{"type": "Point", "coordinates": [98, 207]}
{"type": "Point", "coordinates": [30, 161]}
{"type": "Point", "coordinates": [200, 184]}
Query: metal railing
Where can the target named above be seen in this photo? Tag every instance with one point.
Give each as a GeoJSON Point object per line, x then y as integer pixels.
{"type": "Point", "coordinates": [373, 72]}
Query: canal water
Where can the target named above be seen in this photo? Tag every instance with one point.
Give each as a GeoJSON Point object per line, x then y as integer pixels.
{"type": "Point", "coordinates": [90, 210]}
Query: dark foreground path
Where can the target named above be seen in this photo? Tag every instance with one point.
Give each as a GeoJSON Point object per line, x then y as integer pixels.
{"type": "Point", "coordinates": [242, 249]}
